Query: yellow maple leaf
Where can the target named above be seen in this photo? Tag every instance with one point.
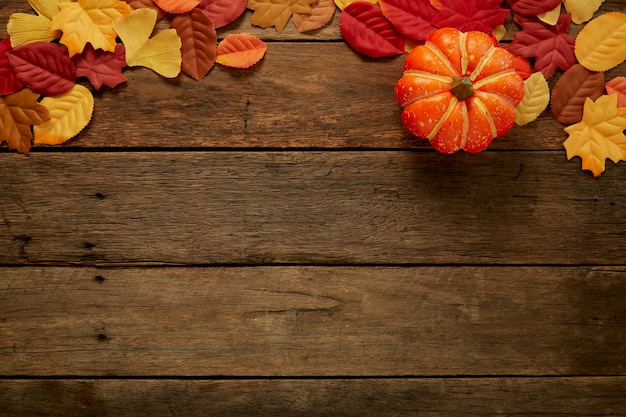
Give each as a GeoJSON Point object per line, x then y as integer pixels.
{"type": "Point", "coordinates": [25, 28]}
{"type": "Point", "coordinates": [582, 10]}
{"type": "Point", "coordinates": [89, 21]}
{"type": "Point", "coordinates": [70, 113]}
{"type": "Point", "coordinates": [276, 12]}
{"type": "Point", "coordinates": [600, 134]}
{"type": "Point", "coordinates": [161, 53]}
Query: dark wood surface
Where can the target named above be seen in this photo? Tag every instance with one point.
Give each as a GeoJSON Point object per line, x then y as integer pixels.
{"type": "Point", "coordinates": [270, 242]}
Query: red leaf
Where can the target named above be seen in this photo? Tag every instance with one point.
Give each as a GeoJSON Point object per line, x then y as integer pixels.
{"type": "Point", "coordinates": [466, 15]}
{"type": "Point", "coordinates": [551, 46]}
{"type": "Point", "coordinates": [223, 12]}
{"type": "Point", "coordinates": [9, 83]}
{"type": "Point", "coordinates": [199, 42]}
{"type": "Point", "coordinates": [365, 28]}
{"type": "Point", "coordinates": [532, 7]}
{"type": "Point", "coordinates": [101, 67]}
{"type": "Point", "coordinates": [571, 90]}
{"type": "Point", "coordinates": [522, 66]}
{"type": "Point", "coordinates": [44, 67]}
{"type": "Point", "coordinates": [618, 86]}
{"type": "Point", "coordinates": [412, 18]}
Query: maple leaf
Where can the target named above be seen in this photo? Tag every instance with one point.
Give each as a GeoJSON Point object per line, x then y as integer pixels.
{"type": "Point", "coordinates": [240, 50]}
{"type": "Point", "coordinates": [223, 12]}
{"type": "Point", "coordinates": [618, 86]}
{"type": "Point", "coordinates": [551, 46]}
{"type": "Point", "coordinates": [466, 15]}
{"type": "Point", "coordinates": [412, 18]}
{"type": "Point", "coordinates": [535, 100]}
{"type": "Point", "coordinates": [9, 83]}
{"type": "Point", "coordinates": [18, 112]}
{"type": "Point", "coordinates": [600, 134]}
{"type": "Point", "coordinates": [533, 7]}
{"type": "Point", "coordinates": [571, 91]}
{"type": "Point", "coordinates": [322, 12]}
{"type": "Point", "coordinates": [101, 67]}
{"type": "Point", "coordinates": [89, 21]}
{"type": "Point", "coordinates": [582, 10]}
{"type": "Point", "coordinates": [601, 44]}
{"type": "Point", "coordinates": [161, 53]}
{"type": "Point", "coordinates": [69, 113]}
{"type": "Point", "coordinates": [276, 12]}
{"type": "Point", "coordinates": [199, 42]}
{"type": "Point", "coordinates": [551, 17]}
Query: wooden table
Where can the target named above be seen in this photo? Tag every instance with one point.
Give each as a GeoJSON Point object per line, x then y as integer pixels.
{"type": "Point", "coordinates": [270, 242]}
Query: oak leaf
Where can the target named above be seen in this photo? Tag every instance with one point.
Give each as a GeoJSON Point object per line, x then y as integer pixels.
{"type": "Point", "coordinates": [223, 12]}
{"type": "Point", "coordinates": [617, 86]}
{"type": "Point", "coordinates": [366, 30]}
{"type": "Point", "coordinates": [571, 91]}
{"type": "Point", "coordinates": [535, 101]}
{"type": "Point", "coordinates": [199, 42]}
{"type": "Point", "coordinates": [70, 113]}
{"type": "Point", "coordinates": [551, 46]}
{"type": "Point", "coordinates": [466, 15]}
{"type": "Point", "coordinates": [582, 10]}
{"type": "Point", "coordinates": [161, 53]}
{"type": "Point", "coordinates": [44, 67]}
{"type": "Point", "coordinates": [321, 13]}
{"type": "Point", "coordinates": [240, 50]}
{"type": "Point", "coordinates": [9, 83]}
{"type": "Point", "coordinates": [532, 7]}
{"type": "Point", "coordinates": [177, 6]}
{"type": "Point", "coordinates": [89, 21]}
{"type": "Point", "coordinates": [101, 67]}
{"type": "Point", "coordinates": [601, 44]}
{"type": "Point", "coordinates": [276, 12]}
{"type": "Point", "coordinates": [412, 18]}
{"type": "Point", "coordinates": [18, 112]}
{"type": "Point", "coordinates": [600, 134]}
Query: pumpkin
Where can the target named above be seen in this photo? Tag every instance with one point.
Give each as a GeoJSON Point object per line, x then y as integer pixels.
{"type": "Point", "coordinates": [459, 90]}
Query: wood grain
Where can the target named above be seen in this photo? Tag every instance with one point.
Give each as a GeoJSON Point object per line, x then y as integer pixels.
{"type": "Point", "coordinates": [313, 321]}
{"type": "Point", "coordinates": [308, 207]}
{"type": "Point", "coordinates": [341, 398]}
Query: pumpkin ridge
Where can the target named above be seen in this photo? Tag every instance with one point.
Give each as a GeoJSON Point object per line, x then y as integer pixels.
{"type": "Point", "coordinates": [483, 107]}
{"type": "Point", "coordinates": [465, 130]}
{"type": "Point", "coordinates": [429, 75]}
{"type": "Point", "coordinates": [444, 59]}
{"type": "Point", "coordinates": [484, 60]}
{"type": "Point", "coordinates": [494, 77]}
{"type": "Point", "coordinates": [422, 97]}
{"type": "Point", "coordinates": [463, 40]}
{"type": "Point", "coordinates": [443, 119]}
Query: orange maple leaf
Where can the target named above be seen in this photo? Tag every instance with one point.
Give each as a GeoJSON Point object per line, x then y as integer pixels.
{"type": "Point", "coordinates": [600, 134]}
{"type": "Point", "coordinates": [18, 112]}
{"type": "Point", "coordinates": [276, 12]}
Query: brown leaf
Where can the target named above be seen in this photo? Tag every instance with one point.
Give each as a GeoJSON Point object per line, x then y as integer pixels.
{"type": "Point", "coordinates": [276, 12]}
{"type": "Point", "coordinates": [18, 112]}
{"type": "Point", "coordinates": [570, 92]}
{"type": "Point", "coordinates": [199, 42]}
{"type": "Point", "coordinates": [322, 12]}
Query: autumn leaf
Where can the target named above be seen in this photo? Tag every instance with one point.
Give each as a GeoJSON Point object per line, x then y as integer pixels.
{"type": "Point", "coordinates": [551, 46]}
{"type": "Point", "coordinates": [601, 44]}
{"type": "Point", "coordinates": [101, 67]}
{"type": "Point", "coordinates": [89, 21]}
{"type": "Point", "coordinates": [177, 6]}
{"type": "Point", "coordinates": [25, 28]}
{"type": "Point", "coordinates": [366, 30]}
{"type": "Point", "coordinates": [9, 83]}
{"type": "Point", "coordinates": [342, 4]}
{"type": "Point", "coordinates": [600, 134]}
{"type": "Point", "coordinates": [276, 12]}
{"type": "Point", "coordinates": [536, 99]}
{"type": "Point", "coordinates": [571, 91]}
{"type": "Point", "coordinates": [532, 7]}
{"type": "Point", "coordinates": [240, 50]}
{"type": "Point", "coordinates": [18, 112]}
{"type": "Point", "coordinates": [199, 42]}
{"type": "Point", "coordinates": [466, 15]}
{"type": "Point", "coordinates": [412, 18]}
{"type": "Point", "coordinates": [321, 13]}
{"type": "Point", "coordinates": [161, 53]}
{"type": "Point", "coordinates": [617, 86]}
{"type": "Point", "coordinates": [44, 67]}
{"type": "Point", "coordinates": [223, 12]}
{"type": "Point", "coordinates": [70, 113]}
{"type": "Point", "coordinates": [147, 4]}
{"type": "Point", "coordinates": [582, 10]}
{"type": "Point", "coordinates": [551, 17]}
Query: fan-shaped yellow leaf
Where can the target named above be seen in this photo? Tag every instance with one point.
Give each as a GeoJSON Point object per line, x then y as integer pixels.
{"type": "Point", "coordinates": [599, 135]}
{"type": "Point", "coordinates": [582, 10]}
{"type": "Point", "coordinates": [70, 113]}
{"type": "Point", "coordinates": [47, 8]}
{"type": "Point", "coordinates": [601, 44]}
{"type": "Point", "coordinates": [341, 4]}
{"type": "Point", "coordinates": [551, 17]}
{"type": "Point", "coordinates": [160, 53]}
{"type": "Point", "coordinates": [536, 99]}
{"type": "Point", "coordinates": [89, 21]}
{"type": "Point", "coordinates": [25, 28]}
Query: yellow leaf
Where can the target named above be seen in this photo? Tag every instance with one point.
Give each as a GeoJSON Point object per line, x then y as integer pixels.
{"type": "Point", "coordinates": [25, 28]}
{"type": "Point", "coordinates": [601, 44]}
{"type": "Point", "coordinates": [536, 99]}
{"type": "Point", "coordinates": [499, 32]}
{"type": "Point", "coordinates": [341, 4]}
{"type": "Point", "coordinates": [276, 12]}
{"type": "Point", "coordinates": [582, 10]}
{"type": "Point", "coordinates": [599, 135]}
{"type": "Point", "coordinates": [551, 17]}
{"type": "Point", "coordinates": [161, 53]}
{"type": "Point", "coordinates": [47, 8]}
{"type": "Point", "coordinates": [70, 113]}
{"type": "Point", "coordinates": [89, 21]}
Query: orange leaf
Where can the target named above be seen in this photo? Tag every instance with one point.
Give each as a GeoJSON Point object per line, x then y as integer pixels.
{"type": "Point", "coordinates": [618, 86]}
{"type": "Point", "coordinates": [199, 42]}
{"type": "Point", "coordinates": [276, 12]}
{"type": "Point", "coordinates": [600, 135]}
{"type": "Point", "coordinates": [240, 50]}
{"type": "Point", "coordinates": [321, 13]}
{"type": "Point", "coordinates": [18, 112]}
{"type": "Point", "coordinates": [176, 6]}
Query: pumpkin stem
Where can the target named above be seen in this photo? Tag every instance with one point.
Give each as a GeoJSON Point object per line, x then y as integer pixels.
{"type": "Point", "coordinates": [462, 88]}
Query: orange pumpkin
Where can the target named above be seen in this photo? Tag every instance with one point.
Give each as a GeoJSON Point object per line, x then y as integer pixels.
{"type": "Point", "coordinates": [459, 90]}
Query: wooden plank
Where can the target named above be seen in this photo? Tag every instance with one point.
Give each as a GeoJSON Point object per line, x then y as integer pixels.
{"type": "Point", "coordinates": [308, 207]}
{"type": "Point", "coordinates": [313, 321]}
{"type": "Point", "coordinates": [554, 397]}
